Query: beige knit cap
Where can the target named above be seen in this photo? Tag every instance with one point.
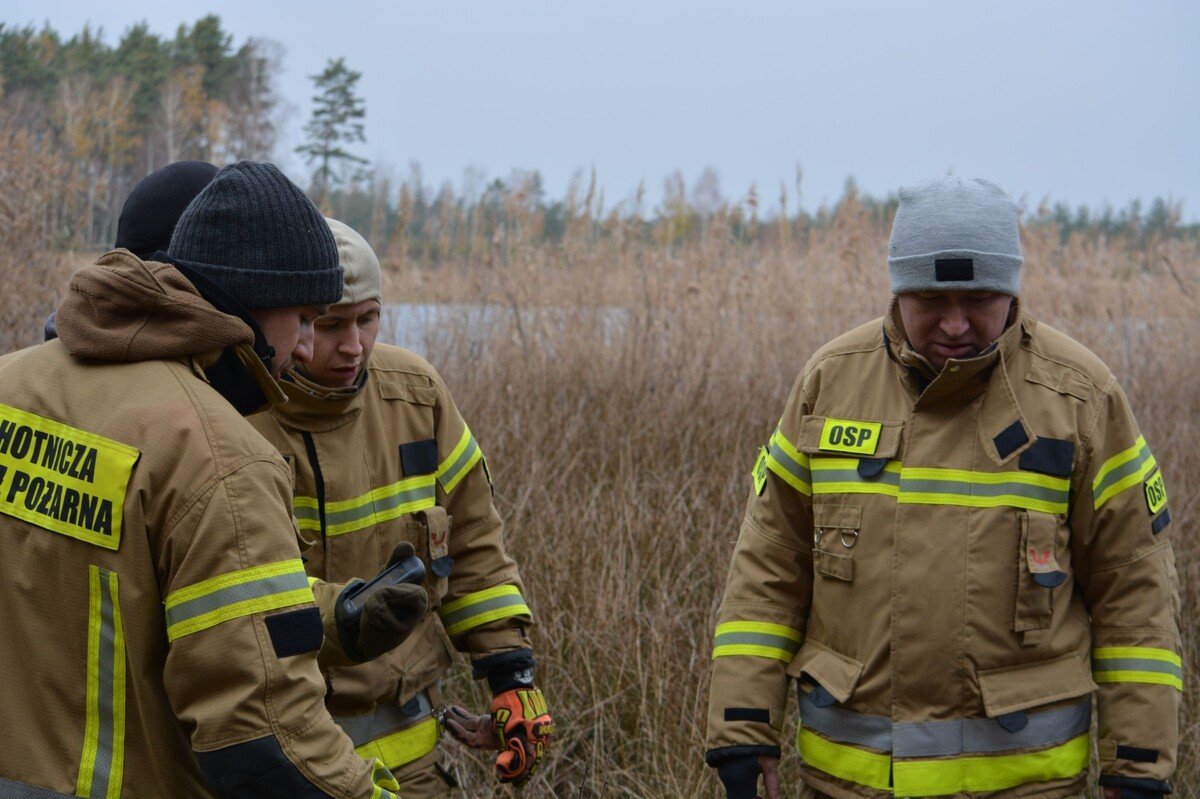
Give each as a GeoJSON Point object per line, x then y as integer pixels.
{"type": "Point", "coordinates": [363, 279]}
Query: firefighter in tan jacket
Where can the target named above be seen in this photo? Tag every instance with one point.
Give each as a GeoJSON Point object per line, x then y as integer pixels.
{"type": "Point", "coordinates": [159, 634]}
{"type": "Point", "coordinates": [955, 539]}
{"type": "Point", "coordinates": [380, 455]}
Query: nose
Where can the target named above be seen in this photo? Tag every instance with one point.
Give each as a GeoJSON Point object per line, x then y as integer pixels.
{"type": "Point", "coordinates": [954, 323]}
{"type": "Point", "coordinates": [304, 345]}
{"type": "Point", "coordinates": [350, 343]}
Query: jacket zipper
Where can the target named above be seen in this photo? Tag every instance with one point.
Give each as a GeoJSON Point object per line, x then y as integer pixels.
{"type": "Point", "coordinates": [310, 448]}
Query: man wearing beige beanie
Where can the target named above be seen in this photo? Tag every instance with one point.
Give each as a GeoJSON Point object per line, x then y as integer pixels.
{"type": "Point", "coordinates": [956, 539]}
{"type": "Point", "coordinates": [382, 459]}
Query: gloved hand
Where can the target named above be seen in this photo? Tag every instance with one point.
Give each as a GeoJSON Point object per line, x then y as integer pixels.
{"type": "Point", "coordinates": [523, 725]}
{"type": "Point", "coordinates": [739, 775]}
{"type": "Point", "coordinates": [388, 616]}
{"type": "Point", "coordinates": [477, 732]}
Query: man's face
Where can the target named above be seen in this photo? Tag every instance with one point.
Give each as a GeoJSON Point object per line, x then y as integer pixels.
{"type": "Point", "coordinates": [342, 342]}
{"type": "Point", "coordinates": [290, 332]}
{"type": "Point", "coordinates": [952, 324]}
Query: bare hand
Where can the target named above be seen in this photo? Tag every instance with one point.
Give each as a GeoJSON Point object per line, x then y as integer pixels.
{"type": "Point", "coordinates": [1112, 793]}
{"type": "Point", "coordinates": [476, 732]}
{"type": "Point", "coordinates": [770, 775]}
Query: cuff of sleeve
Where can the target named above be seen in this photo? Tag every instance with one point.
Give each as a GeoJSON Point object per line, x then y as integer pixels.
{"type": "Point", "coordinates": [1136, 787]}
{"type": "Point", "coordinates": [714, 757]}
{"type": "Point", "coordinates": [505, 671]}
{"type": "Point", "coordinates": [497, 636]}
{"type": "Point", "coordinates": [739, 776]}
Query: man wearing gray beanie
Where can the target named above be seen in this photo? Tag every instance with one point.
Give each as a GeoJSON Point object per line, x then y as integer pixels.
{"type": "Point", "coordinates": [955, 537]}
{"type": "Point", "coordinates": [158, 615]}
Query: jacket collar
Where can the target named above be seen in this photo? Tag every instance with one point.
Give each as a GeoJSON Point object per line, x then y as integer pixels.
{"type": "Point", "coordinates": [315, 408]}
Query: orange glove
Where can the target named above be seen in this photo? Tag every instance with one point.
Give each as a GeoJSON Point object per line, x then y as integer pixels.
{"type": "Point", "coordinates": [523, 724]}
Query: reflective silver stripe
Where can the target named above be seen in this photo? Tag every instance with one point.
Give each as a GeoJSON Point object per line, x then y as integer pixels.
{"type": "Point", "coordinates": [385, 720]}
{"type": "Point", "coordinates": [450, 476]}
{"type": "Point", "coordinates": [986, 736]}
{"type": "Point", "coordinates": [1123, 471]}
{"type": "Point", "coordinates": [19, 790]}
{"type": "Point", "coordinates": [254, 589]}
{"type": "Point", "coordinates": [852, 476]}
{"type": "Point", "coordinates": [381, 505]}
{"type": "Point", "coordinates": [104, 743]}
{"type": "Point", "coordinates": [914, 486]}
{"type": "Point", "coordinates": [846, 726]}
{"type": "Point", "coordinates": [757, 639]}
{"type": "Point", "coordinates": [1136, 664]}
{"type": "Point", "coordinates": [955, 737]}
{"type": "Point", "coordinates": [305, 513]}
{"type": "Point", "coordinates": [796, 469]}
{"type": "Point", "coordinates": [479, 608]}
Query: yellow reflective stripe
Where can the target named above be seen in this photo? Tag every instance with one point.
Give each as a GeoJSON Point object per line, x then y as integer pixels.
{"type": "Point", "coordinates": [986, 478]}
{"type": "Point", "coordinates": [756, 639]}
{"type": "Point", "coordinates": [1149, 677]}
{"type": "Point", "coordinates": [367, 510]}
{"type": "Point", "coordinates": [788, 463]}
{"type": "Point", "coordinates": [848, 481]}
{"type": "Point", "coordinates": [240, 593]}
{"type": "Point", "coordinates": [481, 607]}
{"type": "Point", "coordinates": [1122, 471]}
{"type": "Point", "coordinates": [990, 773]}
{"type": "Point", "coordinates": [459, 462]}
{"type": "Point", "coordinates": [102, 764]}
{"type": "Point", "coordinates": [847, 762]}
{"type": "Point", "coordinates": [1144, 652]}
{"type": "Point", "coordinates": [403, 747]}
{"type": "Point", "coordinates": [312, 581]}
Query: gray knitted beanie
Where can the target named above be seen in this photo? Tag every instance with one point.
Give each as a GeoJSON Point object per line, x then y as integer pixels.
{"type": "Point", "coordinates": [256, 235]}
{"type": "Point", "coordinates": [955, 234]}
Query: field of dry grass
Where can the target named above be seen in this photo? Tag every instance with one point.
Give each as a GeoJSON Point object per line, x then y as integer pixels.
{"type": "Point", "coordinates": [621, 451]}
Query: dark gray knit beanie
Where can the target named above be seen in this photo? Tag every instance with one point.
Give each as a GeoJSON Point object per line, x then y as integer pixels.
{"type": "Point", "coordinates": [955, 234]}
{"type": "Point", "coordinates": [257, 235]}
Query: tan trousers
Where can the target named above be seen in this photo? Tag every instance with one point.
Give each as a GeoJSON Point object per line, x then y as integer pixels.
{"type": "Point", "coordinates": [425, 778]}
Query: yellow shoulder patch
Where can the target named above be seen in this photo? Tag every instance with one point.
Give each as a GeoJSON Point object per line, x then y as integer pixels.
{"type": "Point", "coordinates": [760, 471]}
{"type": "Point", "coordinates": [1156, 492]}
{"type": "Point", "coordinates": [63, 479]}
{"type": "Point", "coordinates": [849, 435]}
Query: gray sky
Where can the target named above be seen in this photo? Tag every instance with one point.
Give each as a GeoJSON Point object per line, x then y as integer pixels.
{"type": "Point", "coordinates": [1084, 101]}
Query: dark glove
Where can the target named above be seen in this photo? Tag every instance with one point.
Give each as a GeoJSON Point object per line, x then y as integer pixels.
{"type": "Point", "coordinates": [477, 732]}
{"type": "Point", "coordinates": [522, 722]}
{"type": "Point", "coordinates": [388, 616]}
{"type": "Point", "coordinates": [739, 775]}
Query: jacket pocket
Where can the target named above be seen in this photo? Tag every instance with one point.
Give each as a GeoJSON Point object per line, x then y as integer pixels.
{"type": "Point", "coordinates": [835, 532]}
{"type": "Point", "coordinates": [1015, 688]}
{"type": "Point", "coordinates": [1039, 572]}
{"type": "Point", "coordinates": [833, 671]}
{"type": "Point", "coordinates": [430, 529]}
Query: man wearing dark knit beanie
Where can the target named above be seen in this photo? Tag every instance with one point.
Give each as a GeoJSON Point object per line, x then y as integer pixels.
{"type": "Point", "coordinates": [956, 542]}
{"type": "Point", "coordinates": [155, 596]}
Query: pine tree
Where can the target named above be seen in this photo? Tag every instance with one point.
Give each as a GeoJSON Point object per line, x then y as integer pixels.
{"type": "Point", "coordinates": [336, 120]}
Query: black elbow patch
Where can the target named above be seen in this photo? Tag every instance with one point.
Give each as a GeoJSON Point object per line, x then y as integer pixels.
{"type": "Point", "coordinates": [296, 632]}
{"type": "Point", "coordinates": [1137, 754]}
{"type": "Point", "coordinates": [759, 714]}
{"type": "Point", "coordinates": [419, 457]}
{"type": "Point", "coordinates": [1051, 456]}
{"type": "Point", "coordinates": [255, 770]}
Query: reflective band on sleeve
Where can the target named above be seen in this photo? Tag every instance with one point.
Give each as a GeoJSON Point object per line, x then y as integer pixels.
{"type": "Point", "coordinates": [756, 639]}
{"type": "Point", "coordinates": [840, 476]}
{"type": "Point", "coordinates": [375, 507]}
{"type": "Point", "coordinates": [1123, 470]}
{"type": "Point", "coordinates": [789, 464]}
{"type": "Point", "coordinates": [403, 747]}
{"type": "Point", "coordinates": [230, 596]}
{"type": "Point", "coordinates": [472, 610]}
{"type": "Point", "coordinates": [932, 486]}
{"type": "Point", "coordinates": [459, 462]}
{"type": "Point", "coordinates": [102, 766]}
{"type": "Point", "coordinates": [1141, 664]}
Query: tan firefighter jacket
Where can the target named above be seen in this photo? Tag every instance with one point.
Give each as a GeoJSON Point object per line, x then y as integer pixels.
{"type": "Point", "coordinates": [156, 612]}
{"type": "Point", "coordinates": [952, 565]}
{"type": "Point", "coordinates": [387, 461]}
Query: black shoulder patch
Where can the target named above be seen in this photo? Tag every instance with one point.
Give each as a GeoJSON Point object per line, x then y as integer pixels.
{"type": "Point", "coordinates": [1051, 456]}
{"type": "Point", "coordinates": [296, 632]}
{"type": "Point", "coordinates": [1160, 521]}
{"type": "Point", "coordinates": [953, 269]}
{"type": "Point", "coordinates": [760, 714]}
{"type": "Point", "coordinates": [1011, 439]}
{"type": "Point", "coordinates": [419, 457]}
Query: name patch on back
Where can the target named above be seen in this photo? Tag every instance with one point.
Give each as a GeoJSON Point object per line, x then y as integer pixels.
{"type": "Point", "coordinates": [63, 479]}
{"type": "Point", "coordinates": [849, 435]}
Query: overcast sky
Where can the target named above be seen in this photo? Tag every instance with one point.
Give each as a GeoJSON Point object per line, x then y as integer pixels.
{"type": "Point", "coordinates": [1089, 102]}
